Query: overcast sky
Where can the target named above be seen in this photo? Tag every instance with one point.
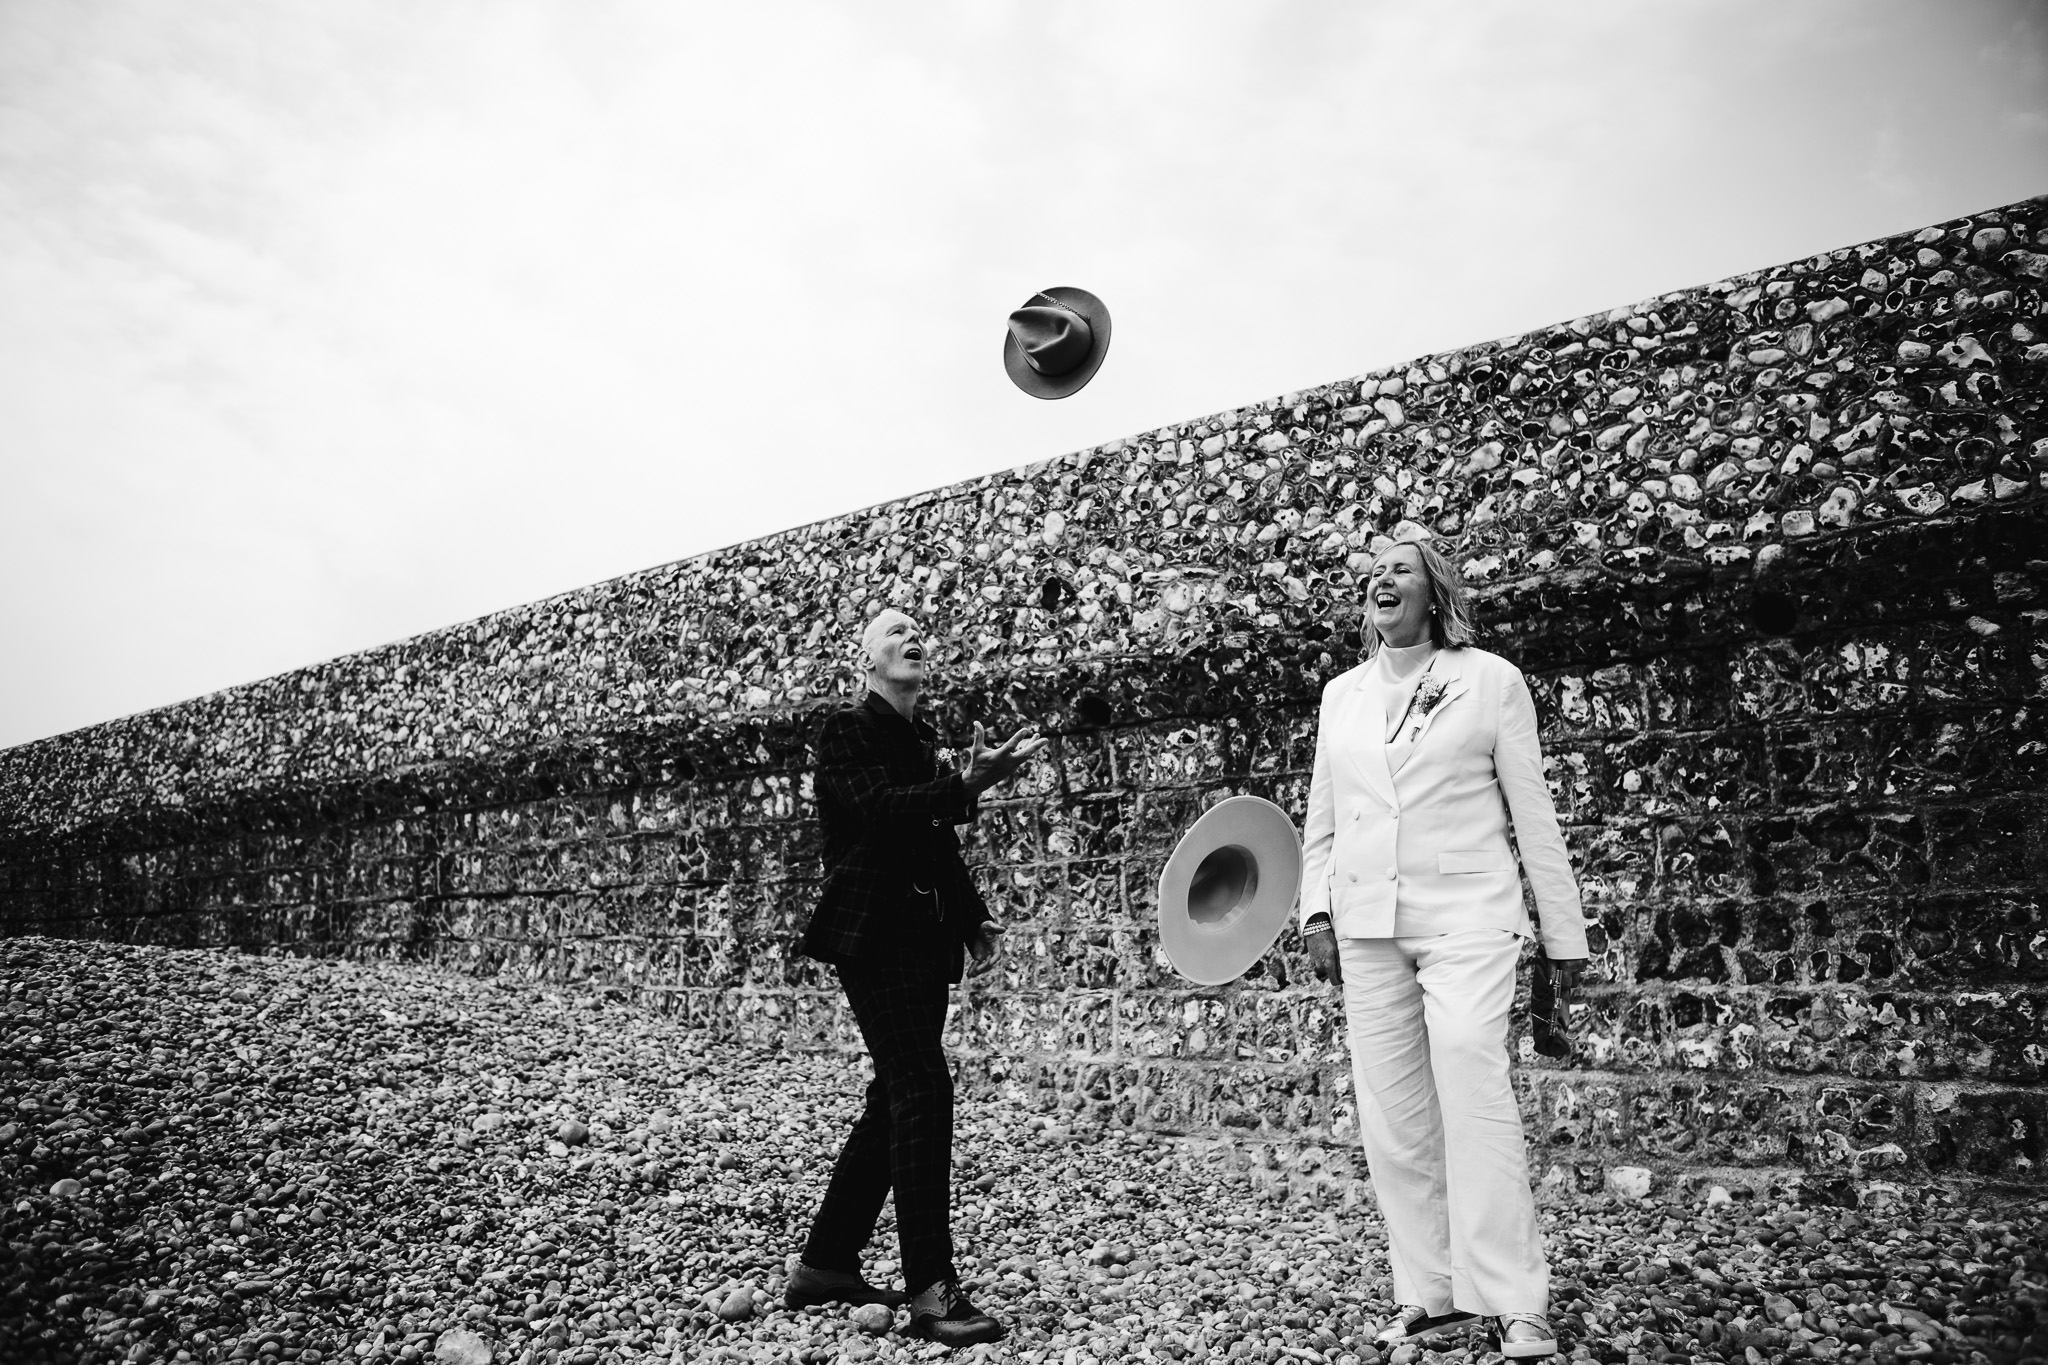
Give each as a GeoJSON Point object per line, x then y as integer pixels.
{"type": "Point", "coordinates": [327, 322]}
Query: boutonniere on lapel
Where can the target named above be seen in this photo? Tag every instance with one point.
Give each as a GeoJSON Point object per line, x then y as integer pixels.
{"type": "Point", "coordinates": [1428, 693]}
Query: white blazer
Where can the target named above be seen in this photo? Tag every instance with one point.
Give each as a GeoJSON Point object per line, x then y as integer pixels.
{"type": "Point", "coordinates": [1425, 850]}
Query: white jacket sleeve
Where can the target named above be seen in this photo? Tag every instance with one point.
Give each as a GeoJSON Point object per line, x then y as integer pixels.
{"type": "Point", "coordinates": [1518, 763]}
{"type": "Point", "coordinates": [1318, 829]}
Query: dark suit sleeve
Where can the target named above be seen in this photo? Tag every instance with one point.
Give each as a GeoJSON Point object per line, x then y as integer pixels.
{"type": "Point", "coordinates": [853, 772]}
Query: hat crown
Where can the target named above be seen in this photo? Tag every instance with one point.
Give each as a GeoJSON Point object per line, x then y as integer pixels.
{"type": "Point", "coordinates": [1228, 888]}
{"type": "Point", "coordinates": [1054, 343]}
{"type": "Point", "coordinates": [1053, 338]}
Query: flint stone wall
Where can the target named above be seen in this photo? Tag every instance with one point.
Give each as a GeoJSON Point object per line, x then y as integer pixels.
{"type": "Point", "coordinates": [1771, 551]}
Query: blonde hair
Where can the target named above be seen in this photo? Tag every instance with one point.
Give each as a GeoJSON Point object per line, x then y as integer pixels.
{"type": "Point", "coordinates": [1451, 625]}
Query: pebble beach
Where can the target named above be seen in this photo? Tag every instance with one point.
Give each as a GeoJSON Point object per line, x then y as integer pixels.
{"type": "Point", "coordinates": [216, 1156]}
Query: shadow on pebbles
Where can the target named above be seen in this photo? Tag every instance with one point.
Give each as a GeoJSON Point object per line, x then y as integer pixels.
{"type": "Point", "coordinates": [212, 1156]}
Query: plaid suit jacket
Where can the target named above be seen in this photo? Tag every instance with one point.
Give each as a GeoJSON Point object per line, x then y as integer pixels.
{"type": "Point", "coordinates": [896, 889]}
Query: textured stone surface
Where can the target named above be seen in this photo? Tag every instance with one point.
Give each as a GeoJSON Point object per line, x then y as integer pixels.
{"type": "Point", "coordinates": [287, 1160]}
{"type": "Point", "coordinates": [1770, 550]}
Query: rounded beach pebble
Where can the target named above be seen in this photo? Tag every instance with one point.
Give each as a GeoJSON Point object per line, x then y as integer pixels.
{"type": "Point", "coordinates": [257, 1159]}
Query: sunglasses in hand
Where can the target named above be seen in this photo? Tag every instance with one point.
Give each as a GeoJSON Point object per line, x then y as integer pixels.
{"type": "Point", "coordinates": [1550, 1014]}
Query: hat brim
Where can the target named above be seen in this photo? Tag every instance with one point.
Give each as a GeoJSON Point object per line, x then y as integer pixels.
{"type": "Point", "coordinates": [1059, 386]}
{"type": "Point", "coordinates": [1221, 949]}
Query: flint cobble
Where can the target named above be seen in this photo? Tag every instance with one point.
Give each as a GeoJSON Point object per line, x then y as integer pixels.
{"type": "Point", "coordinates": [1768, 549]}
{"type": "Point", "coordinates": [217, 1156]}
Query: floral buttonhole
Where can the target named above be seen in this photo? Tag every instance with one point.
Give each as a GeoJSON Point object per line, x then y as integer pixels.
{"type": "Point", "coordinates": [1428, 693]}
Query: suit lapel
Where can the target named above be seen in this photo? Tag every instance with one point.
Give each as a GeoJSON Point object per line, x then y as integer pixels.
{"type": "Point", "coordinates": [1364, 717]}
{"type": "Point", "coordinates": [1456, 685]}
{"type": "Point", "coordinates": [912, 743]}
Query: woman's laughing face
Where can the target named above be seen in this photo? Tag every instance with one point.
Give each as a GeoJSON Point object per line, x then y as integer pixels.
{"type": "Point", "coordinates": [1397, 597]}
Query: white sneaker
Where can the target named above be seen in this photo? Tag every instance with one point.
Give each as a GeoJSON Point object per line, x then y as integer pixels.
{"type": "Point", "coordinates": [1412, 1323]}
{"type": "Point", "coordinates": [1524, 1336]}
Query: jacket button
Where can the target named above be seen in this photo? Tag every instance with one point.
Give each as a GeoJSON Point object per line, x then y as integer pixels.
{"type": "Point", "coordinates": [1390, 874]}
{"type": "Point", "coordinates": [1358, 815]}
{"type": "Point", "coordinates": [1354, 876]}
{"type": "Point", "coordinates": [1395, 814]}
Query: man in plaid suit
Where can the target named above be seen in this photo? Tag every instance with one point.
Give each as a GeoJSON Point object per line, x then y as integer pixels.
{"type": "Point", "coordinates": [897, 919]}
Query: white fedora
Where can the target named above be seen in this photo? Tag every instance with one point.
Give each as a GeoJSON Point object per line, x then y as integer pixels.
{"type": "Point", "coordinates": [1227, 891]}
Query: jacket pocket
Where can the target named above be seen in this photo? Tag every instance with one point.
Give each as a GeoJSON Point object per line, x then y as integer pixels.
{"type": "Point", "coordinates": [1474, 860]}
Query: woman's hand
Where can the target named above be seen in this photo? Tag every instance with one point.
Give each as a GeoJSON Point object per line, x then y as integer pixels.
{"type": "Point", "coordinates": [983, 945]}
{"type": "Point", "coordinates": [1322, 955]}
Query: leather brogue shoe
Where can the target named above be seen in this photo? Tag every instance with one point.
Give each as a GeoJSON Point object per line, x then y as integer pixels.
{"type": "Point", "coordinates": [809, 1286]}
{"type": "Point", "coordinates": [942, 1313]}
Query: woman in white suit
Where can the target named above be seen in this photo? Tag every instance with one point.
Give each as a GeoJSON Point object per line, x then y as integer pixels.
{"type": "Point", "coordinates": [1412, 901]}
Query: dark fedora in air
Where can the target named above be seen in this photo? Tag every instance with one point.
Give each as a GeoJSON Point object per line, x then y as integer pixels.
{"type": "Point", "coordinates": [1056, 342]}
{"type": "Point", "coordinates": [1228, 889]}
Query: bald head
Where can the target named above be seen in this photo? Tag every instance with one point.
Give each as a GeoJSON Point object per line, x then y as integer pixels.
{"type": "Point", "coordinates": [893, 658]}
{"type": "Point", "coordinates": [880, 627]}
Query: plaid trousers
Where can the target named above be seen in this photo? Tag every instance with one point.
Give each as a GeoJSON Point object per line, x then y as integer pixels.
{"type": "Point", "coordinates": [903, 1139]}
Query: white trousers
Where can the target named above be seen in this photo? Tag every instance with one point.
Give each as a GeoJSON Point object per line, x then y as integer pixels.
{"type": "Point", "coordinates": [1427, 1021]}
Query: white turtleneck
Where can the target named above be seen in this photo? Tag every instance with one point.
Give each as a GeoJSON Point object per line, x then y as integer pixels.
{"type": "Point", "coordinates": [1400, 669]}
{"type": "Point", "coordinates": [1400, 661]}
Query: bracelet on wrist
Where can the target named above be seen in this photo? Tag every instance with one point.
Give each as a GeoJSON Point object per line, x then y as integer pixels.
{"type": "Point", "coordinates": [1319, 928]}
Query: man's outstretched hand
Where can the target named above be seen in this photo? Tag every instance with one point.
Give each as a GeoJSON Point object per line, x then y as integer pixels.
{"type": "Point", "coordinates": [986, 767]}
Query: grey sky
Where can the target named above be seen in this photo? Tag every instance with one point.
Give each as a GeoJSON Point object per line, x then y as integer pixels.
{"type": "Point", "coordinates": [324, 324]}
